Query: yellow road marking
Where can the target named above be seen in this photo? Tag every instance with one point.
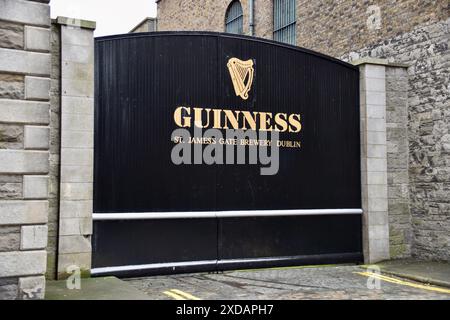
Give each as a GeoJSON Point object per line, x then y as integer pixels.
{"type": "Point", "coordinates": [174, 295]}
{"type": "Point", "coordinates": [185, 294]}
{"type": "Point", "coordinates": [294, 267]}
{"type": "Point", "coordinates": [404, 283]}
{"type": "Point", "coordinates": [180, 295]}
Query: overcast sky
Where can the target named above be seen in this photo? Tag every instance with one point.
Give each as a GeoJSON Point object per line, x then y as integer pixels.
{"type": "Point", "coordinates": [112, 16]}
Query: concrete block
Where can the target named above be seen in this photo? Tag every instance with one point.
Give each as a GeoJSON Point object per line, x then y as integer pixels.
{"type": "Point", "coordinates": [76, 209]}
{"type": "Point", "coordinates": [376, 112]}
{"type": "Point", "coordinates": [378, 125]}
{"type": "Point", "coordinates": [376, 137]}
{"type": "Point", "coordinates": [77, 105]}
{"type": "Point", "coordinates": [376, 178]}
{"type": "Point", "coordinates": [378, 232]}
{"type": "Point", "coordinates": [376, 164]}
{"type": "Point", "coordinates": [380, 246]}
{"type": "Point", "coordinates": [378, 204]}
{"type": "Point", "coordinates": [22, 263]}
{"type": "Point", "coordinates": [76, 53]}
{"type": "Point", "coordinates": [374, 71]}
{"type": "Point", "coordinates": [37, 88]}
{"type": "Point", "coordinates": [374, 85]}
{"type": "Point", "coordinates": [76, 191]}
{"type": "Point", "coordinates": [25, 12]}
{"type": "Point", "coordinates": [77, 174]}
{"type": "Point", "coordinates": [77, 139]}
{"type": "Point", "coordinates": [77, 157]}
{"type": "Point", "coordinates": [33, 237]}
{"type": "Point", "coordinates": [75, 244]}
{"type": "Point", "coordinates": [377, 191]}
{"type": "Point", "coordinates": [24, 62]}
{"type": "Point", "coordinates": [77, 88]}
{"type": "Point", "coordinates": [77, 71]}
{"type": "Point", "coordinates": [36, 137]}
{"type": "Point", "coordinates": [23, 212]}
{"type": "Point", "coordinates": [77, 122]}
{"type": "Point", "coordinates": [28, 112]}
{"type": "Point", "coordinates": [19, 161]}
{"type": "Point", "coordinates": [81, 260]}
{"type": "Point", "coordinates": [376, 151]}
{"type": "Point", "coordinates": [32, 288]}
{"type": "Point", "coordinates": [35, 187]}
{"type": "Point", "coordinates": [378, 218]}
{"type": "Point", "coordinates": [376, 256]}
{"type": "Point", "coordinates": [375, 98]}
{"type": "Point", "coordinates": [37, 39]}
{"type": "Point", "coordinates": [72, 23]}
{"type": "Point", "coordinates": [75, 226]}
{"type": "Point", "coordinates": [80, 37]}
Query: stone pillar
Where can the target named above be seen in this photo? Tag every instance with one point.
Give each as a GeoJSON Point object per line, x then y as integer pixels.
{"type": "Point", "coordinates": [77, 144]}
{"type": "Point", "coordinates": [24, 144]}
{"type": "Point", "coordinates": [374, 160]}
{"type": "Point", "coordinates": [400, 224]}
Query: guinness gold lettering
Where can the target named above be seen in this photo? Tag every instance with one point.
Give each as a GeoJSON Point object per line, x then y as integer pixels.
{"type": "Point", "coordinates": [184, 117]}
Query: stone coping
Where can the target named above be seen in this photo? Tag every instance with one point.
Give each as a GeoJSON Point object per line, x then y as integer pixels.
{"type": "Point", "coordinates": [381, 62]}
{"type": "Point", "coordinates": [73, 22]}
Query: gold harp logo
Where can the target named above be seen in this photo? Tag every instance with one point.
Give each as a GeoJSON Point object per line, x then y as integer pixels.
{"type": "Point", "coordinates": [241, 73]}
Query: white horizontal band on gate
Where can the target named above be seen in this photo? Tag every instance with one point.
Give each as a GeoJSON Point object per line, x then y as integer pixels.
{"type": "Point", "coordinates": [221, 214]}
{"type": "Point", "coordinates": [107, 270]}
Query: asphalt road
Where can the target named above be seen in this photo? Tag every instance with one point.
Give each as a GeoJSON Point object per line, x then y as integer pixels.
{"type": "Point", "coordinates": [295, 283]}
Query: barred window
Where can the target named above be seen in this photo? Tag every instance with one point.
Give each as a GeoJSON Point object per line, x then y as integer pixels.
{"type": "Point", "coordinates": [284, 21]}
{"type": "Point", "coordinates": [234, 18]}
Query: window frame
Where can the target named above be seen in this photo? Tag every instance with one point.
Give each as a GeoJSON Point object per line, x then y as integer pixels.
{"type": "Point", "coordinates": [238, 17]}
{"type": "Point", "coordinates": [283, 23]}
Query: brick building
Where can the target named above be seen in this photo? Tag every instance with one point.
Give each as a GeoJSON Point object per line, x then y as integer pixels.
{"type": "Point", "coordinates": [412, 33]}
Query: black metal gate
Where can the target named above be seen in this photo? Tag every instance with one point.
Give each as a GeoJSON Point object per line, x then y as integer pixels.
{"type": "Point", "coordinates": [153, 216]}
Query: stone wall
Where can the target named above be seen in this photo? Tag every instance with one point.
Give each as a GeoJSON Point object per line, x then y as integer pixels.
{"type": "Point", "coordinates": [400, 231]}
{"type": "Point", "coordinates": [338, 27]}
{"type": "Point", "coordinates": [425, 50]}
{"type": "Point", "coordinates": [330, 27]}
{"type": "Point", "coordinates": [24, 145]}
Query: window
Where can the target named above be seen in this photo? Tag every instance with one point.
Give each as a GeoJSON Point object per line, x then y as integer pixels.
{"type": "Point", "coordinates": [284, 20]}
{"type": "Point", "coordinates": [234, 18]}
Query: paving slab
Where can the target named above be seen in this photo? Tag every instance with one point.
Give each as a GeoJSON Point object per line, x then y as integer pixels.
{"type": "Point", "coordinates": [431, 272]}
{"type": "Point", "coordinates": [106, 288]}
